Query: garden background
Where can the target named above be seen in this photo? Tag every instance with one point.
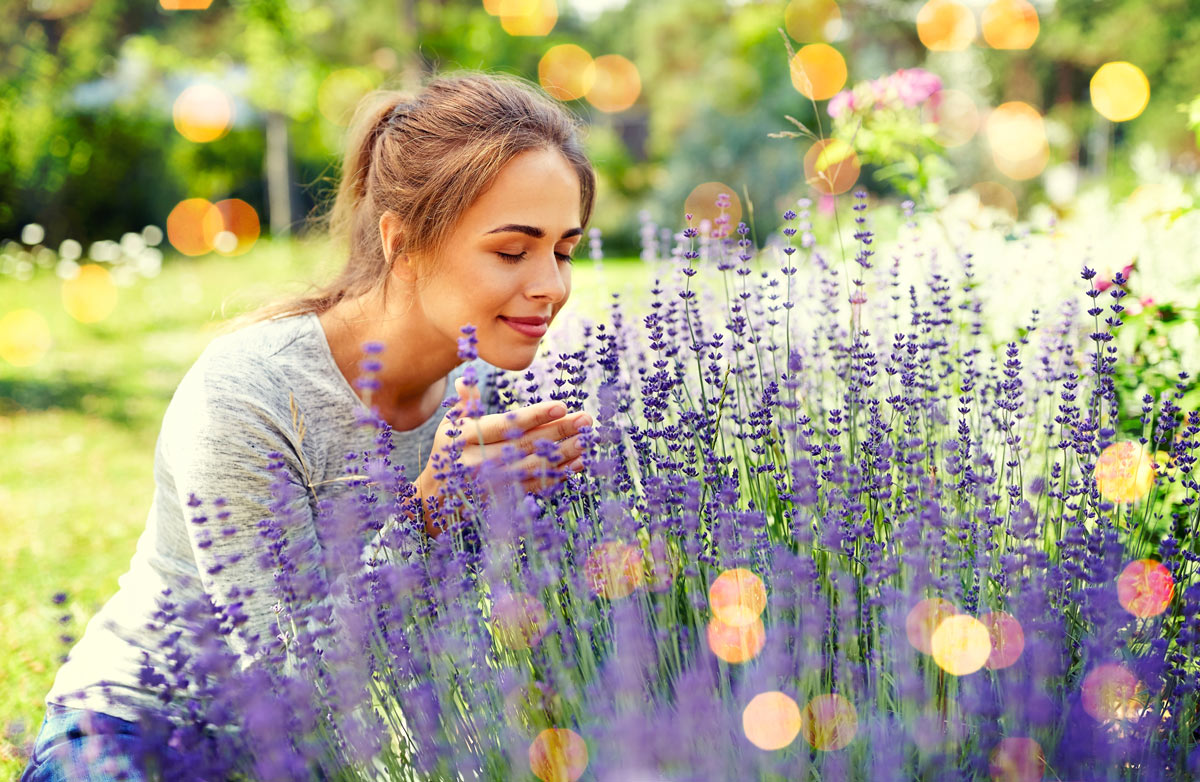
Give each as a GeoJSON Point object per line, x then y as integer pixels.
{"type": "Point", "coordinates": [161, 163]}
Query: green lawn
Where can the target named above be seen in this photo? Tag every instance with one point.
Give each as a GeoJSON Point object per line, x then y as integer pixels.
{"type": "Point", "coordinates": [77, 433]}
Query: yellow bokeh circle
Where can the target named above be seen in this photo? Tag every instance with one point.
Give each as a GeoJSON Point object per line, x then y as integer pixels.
{"type": "Point", "coordinates": [558, 755]}
{"type": "Point", "coordinates": [818, 71]}
{"type": "Point", "coordinates": [193, 224]}
{"type": "Point", "coordinates": [614, 569]}
{"type": "Point", "coordinates": [519, 621]}
{"type": "Point", "coordinates": [567, 71]}
{"type": "Point", "coordinates": [616, 85]}
{"type": "Point", "coordinates": [202, 113]}
{"type": "Point", "coordinates": [24, 337]}
{"type": "Point", "coordinates": [1017, 759]}
{"type": "Point", "coordinates": [1016, 134]}
{"type": "Point", "coordinates": [736, 645]}
{"type": "Point", "coordinates": [923, 619]}
{"type": "Point", "coordinates": [813, 21]}
{"type": "Point", "coordinates": [829, 722]}
{"type": "Point", "coordinates": [1120, 91]}
{"type": "Point", "coordinates": [528, 17]}
{"type": "Point", "coordinates": [90, 296]}
{"type": "Point", "coordinates": [1010, 24]}
{"type": "Point", "coordinates": [737, 597]}
{"type": "Point", "coordinates": [961, 645]}
{"type": "Point", "coordinates": [945, 26]}
{"type": "Point", "coordinates": [701, 204]}
{"type": "Point", "coordinates": [1124, 472]}
{"type": "Point", "coordinates": [1112, 692]}
{"type": "Point", "coordinates": [771, 720]}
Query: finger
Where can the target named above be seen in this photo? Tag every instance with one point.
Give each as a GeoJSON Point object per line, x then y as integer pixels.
{"type": "Point", "coordinates": [499, 427]}
{"type": "Point", "coordinates": [466, 396]}
{"type": "Point", "coordinates": [554, 431]}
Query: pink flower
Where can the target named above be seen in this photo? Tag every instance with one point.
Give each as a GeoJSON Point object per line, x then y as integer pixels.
{"type": "Point", "coordinates": [841, 103]}
{"type": "Point", "coordinates": [1104, 283]}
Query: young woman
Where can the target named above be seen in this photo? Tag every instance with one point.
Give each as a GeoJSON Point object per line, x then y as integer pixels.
{"type": "Point", "coordinates": [460, 206]}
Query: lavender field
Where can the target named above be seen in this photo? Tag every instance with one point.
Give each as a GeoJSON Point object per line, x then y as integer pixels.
{"type": "Point", "coordinates": [828, 529]}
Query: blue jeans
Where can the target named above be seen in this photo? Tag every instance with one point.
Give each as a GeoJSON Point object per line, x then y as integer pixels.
{"type": "Point", "coordinates": [86, 746]}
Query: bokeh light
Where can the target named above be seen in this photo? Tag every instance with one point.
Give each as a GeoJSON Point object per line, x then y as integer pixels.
{"type": "Point", "coordinates": [519, 621]}
{"type": "Point", "coordinates": [184, 5]}
{"type": "Point", "coordinates": [831, 166]}
{"type": "Point", "coordinates": [614, 569]}
{"type": "Point", "coordinates": [24, 337]}
{"type": "Point", "coordinates": [528, 17]}
{"type": "Point", "coordinates": [1145, 588]}
{"type": "Point", "coordinates": [58, 9]}
{"type": "Point", "coordinates": [829, 722]}
{"type": "Point", "coordinates": [1112, 692]}
{"type": "Point", "coordinates": [567, 71]}
{"type": "Point", "coordinates": [1017, 759]}
{"type": "Point", "coordinates": [945, 26]}
{"type": "Point", "coordinates": [340, 92]}
{"type": "Point", "coordinates": [1007, 639]}
{"type": "Point", "coordinates": [1016, 134]}
{"type": "Point", "coordinates": [203, 113]}
{"type": "Point", "coordinates": [660, 562]}
{"type": "Point", "coordinates": [90, 296]}
{"type": "Point", "coordinates": [701, 204]}
{"type": "Point", "coordinates": [1120, 91]}
{"type": "Point", "coordinates": [616, 85]}
{"type": "Point", "coordinates": [1124, 472]}
{"type": "Point", "coordinates": [956, 116]}
{"type": "Point", "coordinates": [237, 230]}
{"type": "Point", "coordinates": [1010, 24]}
{"type": "Point", "coordinates": [771, 720]}
{"type": "Point", "coordinates": [736, 644]}
{"type": "Point", "coordinates": [993, 195]}
{"type": "Point", "coordinates": [818, 71]}
{"type": "Point", "coordinates": [813, 21]}
{"type": "Point", "coordinates": [32, 233]}
{"type": "Point", "coordinates": [192, 225]}
{"type": "Point", "coordinates": [923, 619]}
{"type": "Point", "coordinates": [961, 645]}
{"type": "Point", "coordinates": [737, 597]}
{"type": "Point", "coordinates": [558, 755]}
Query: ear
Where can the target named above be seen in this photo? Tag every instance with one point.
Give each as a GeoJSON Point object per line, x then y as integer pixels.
{"type": "Point", "coordinates": [391, 235]}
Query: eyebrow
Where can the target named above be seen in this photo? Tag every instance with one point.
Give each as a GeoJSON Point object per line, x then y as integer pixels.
{"type": "Point", "coordinates": [532, 230]}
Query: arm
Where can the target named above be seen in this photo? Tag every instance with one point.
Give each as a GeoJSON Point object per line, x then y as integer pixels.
{"type": "Point", "coordinates": [219, 436]}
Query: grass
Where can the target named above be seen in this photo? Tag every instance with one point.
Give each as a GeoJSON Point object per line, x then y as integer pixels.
{"type": "Point", "coordinates": [78, 429]}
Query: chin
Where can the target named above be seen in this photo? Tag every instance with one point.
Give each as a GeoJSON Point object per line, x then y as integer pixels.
{"type": "Point", "coordinates": [511, 361]}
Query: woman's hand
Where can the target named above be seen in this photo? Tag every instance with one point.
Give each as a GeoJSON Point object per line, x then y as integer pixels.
{"type": "Point", "coordinates": [487, 437]}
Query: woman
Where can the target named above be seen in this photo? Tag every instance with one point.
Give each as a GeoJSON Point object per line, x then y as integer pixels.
{"type": "Point", "coordinates": [461, 206]}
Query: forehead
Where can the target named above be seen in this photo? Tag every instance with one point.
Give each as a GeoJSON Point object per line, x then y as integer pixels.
{"type": "Point", "coordinates": [538, 188]}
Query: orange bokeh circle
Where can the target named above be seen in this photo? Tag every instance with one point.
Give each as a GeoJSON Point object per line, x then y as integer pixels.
{"type": "Point", "coordinates": [818, 71]}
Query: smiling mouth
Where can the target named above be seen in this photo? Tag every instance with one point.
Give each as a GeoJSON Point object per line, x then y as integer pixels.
{"type": "Point", "coordinates": [529, 327]}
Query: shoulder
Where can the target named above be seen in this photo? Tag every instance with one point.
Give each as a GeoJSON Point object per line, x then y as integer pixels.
{"type": "Point", "coordinates": [251, 371]}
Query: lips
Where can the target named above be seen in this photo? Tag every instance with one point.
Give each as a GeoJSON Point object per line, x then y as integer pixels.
{"type": "Point", "coordinates": [529, 327]}
{"type": "Point", "coordinates": [539, 321]}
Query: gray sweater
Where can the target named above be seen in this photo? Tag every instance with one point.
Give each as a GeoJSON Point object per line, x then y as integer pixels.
{"type": "Point", "coordinates": [232, 409]}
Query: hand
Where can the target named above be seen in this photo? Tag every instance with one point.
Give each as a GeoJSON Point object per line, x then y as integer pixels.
{"type": "Point", "coordinates": [487, 437]}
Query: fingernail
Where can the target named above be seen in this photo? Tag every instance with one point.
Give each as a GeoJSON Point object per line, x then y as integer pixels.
{"type": "Point", "coordinates": [558, 411]}
{"type": "Point", "coordinates": [583, 420]}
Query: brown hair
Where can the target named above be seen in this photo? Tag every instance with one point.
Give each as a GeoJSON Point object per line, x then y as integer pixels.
{"type": "Point", "coordinates": [427, 159]}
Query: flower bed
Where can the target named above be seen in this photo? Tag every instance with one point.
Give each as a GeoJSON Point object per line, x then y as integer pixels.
{"type": "Point", "coordinates": [812, 541]}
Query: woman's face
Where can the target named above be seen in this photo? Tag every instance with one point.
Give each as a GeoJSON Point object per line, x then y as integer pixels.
{"type": "Point", "coordinates": [505, 268]}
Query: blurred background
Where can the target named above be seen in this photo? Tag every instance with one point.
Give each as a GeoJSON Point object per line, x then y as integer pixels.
{"type": "Point", "coordinates": [114, 112]}
{"type": "Point", "coordinates": [161, 163]}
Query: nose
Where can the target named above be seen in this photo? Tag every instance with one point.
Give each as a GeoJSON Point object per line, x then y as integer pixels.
{"type": "Point", "coordinates": [549, 281]}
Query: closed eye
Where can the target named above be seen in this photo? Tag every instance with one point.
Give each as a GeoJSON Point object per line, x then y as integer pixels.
{"type": "Point", "coordinates": [511, 258]}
